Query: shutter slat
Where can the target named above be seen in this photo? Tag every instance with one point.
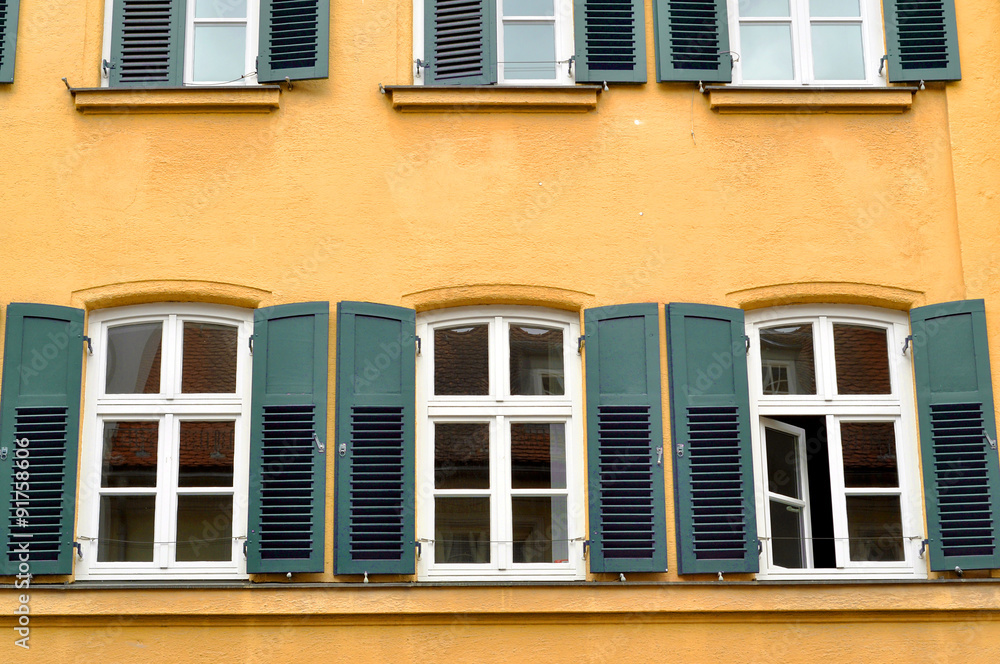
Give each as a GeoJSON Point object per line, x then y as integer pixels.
{"type": "Point", "coordinates": [710, 415]}
{"type": "Point", "coordinates": [627, 510]}
{"type": "Point", "coordinates": [376, 368]}
{"type": "Point", "coordinates": [294, 40]}
{"type": "Point", "coordinates": [922, 40]}
{"type": "Point", "coordinates": [288, 416]}
{"type": "Point", "coordinates": [955, 405]}
{"type": "Point", "coordinates": [43, 368]}
{"type": "Point", "coordinates": [610, 38]}
{"type": "Point", "coordinates": [692, 41]}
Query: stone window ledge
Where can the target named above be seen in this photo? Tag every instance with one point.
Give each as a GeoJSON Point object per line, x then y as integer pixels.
{"type": "Point", "coordinates": [241, 99]}
{"type": "Point", "coordinates": [739, 99]}
{"type": "Point", "coordinates": [492, 98]}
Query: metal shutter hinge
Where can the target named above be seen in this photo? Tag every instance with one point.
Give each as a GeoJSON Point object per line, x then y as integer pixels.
{"type": "Point", "coordinates": [680, 449]}
{"type": "Point", "coordinates": [250, 342]}
{"type": "Point", "coordinates": [419, 549]}
{"type": "Point", "coordinates": [570, 62]}
{"type": "Point", "coordinates": [90, 346]}
{"type": "Point", "coordinates": [342, 450]}
{"type": "Point", "coordinates": [79, 549]}
{"type": "Point", "coordinates": [881, 63]}
{"type": "Point", "coordinates": [923, 548]}
{"type": "Point", "coordinates": [419, 348]}
{"type": "Point", "coordinates": [906, 342]}
{"type": "Point", "coordinates": [746, 338]}
{"type": "Point", "coordinates": [3, 453]}
{"type": "Point", "coordinates": [580, 341]}
{"type": "Point", "coordinates": [245, 543]}
{"type": "Point", "coordinates": [586, 545]}
{"type": "Point", "coordinates": [106, 67]}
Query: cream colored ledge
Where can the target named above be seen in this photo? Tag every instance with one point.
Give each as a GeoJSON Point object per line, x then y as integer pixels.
{"type": "Point", "coordinates": [492, 98]}
{"type": "Point", "coordinates": [243, 99]}
{"type": "Point", "coordinates": [729, 99]}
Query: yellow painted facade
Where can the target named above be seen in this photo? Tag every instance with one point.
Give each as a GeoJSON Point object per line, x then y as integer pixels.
{"type": "Point", "coordinates": [334, 190]}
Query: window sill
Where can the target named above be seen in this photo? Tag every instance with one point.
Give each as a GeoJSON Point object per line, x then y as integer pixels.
{"type": "Point", "coordinates": [242, 99]}
{"type": "Point", "coordinates": [493, 98]}
{"type": "Point", "coordinates": [732, 99]}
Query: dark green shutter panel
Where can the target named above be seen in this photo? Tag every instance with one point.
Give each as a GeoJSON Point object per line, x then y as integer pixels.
{"type": "Point", "coordinates": [8, 38]}
{"type": "Point", "coordinates": [460, 42]}
{"type": "Point", "coordinates": [294, 40]}
{"type": "Point", "coordinates": [147, 43]}
{"type": "Point", "coordinates": [692, 41]}
{"type": "Point", "coordinates": [42, 370]}
{"type": "Point", "coordinates": [376, 364]}
{"type": "Point", "coordinates": [922, 40]}
{"type": "Point", "coordinates": [628, 530]}
{"type": "Point", "coordinates": [610, 38]}
{"type": "Point", "coordinates": [710, 416]}
{"type": "Point", "coordinates": [957, 434]}
{"type": "Point", "coordinates": [287, 438]}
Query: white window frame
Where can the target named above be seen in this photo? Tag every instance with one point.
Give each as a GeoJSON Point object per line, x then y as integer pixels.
{"type": "Point", "coordinates": [252, 43]}
{"type": "Point", "coordinates": [169, 408]}
{"type": "Point", "coordinates": [563, 16]}
{"type": "Point", "coordinates": [898, 407]}
{"type": "Point", "coordinates": [872, 43]}
{"type": "Point", "coordinates": [500, 408]}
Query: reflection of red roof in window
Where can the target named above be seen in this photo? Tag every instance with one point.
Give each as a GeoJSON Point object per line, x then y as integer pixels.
{"type": "Point", "coordinates": [461, 360]}
{"type": "Point", "coordinates": [202, 444]}
{"type": "Point", "coordinates": [862, 360]}
{"type": "Point", "coordinates": [869, 453]}
{"type": "Point", "coordinates": [209, 358]}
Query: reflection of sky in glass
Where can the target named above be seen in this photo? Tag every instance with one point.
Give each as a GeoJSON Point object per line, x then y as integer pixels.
{"type": "Point", "coordinates": [220, 8]}
{"type": "Point", "coordinates": [528, 8]}
{"type": "Point", "coordinates": [529, 50]}
{"type": "Point", "coordinates": [767, 52]}
{"type": "Point", "coordinates": [766, 8]}
{"type": "Point", "coordinates": [219, 52]}
{"type": "Point", "coordinates": [837, 53]}
{"type": "Point", "coordinates": [841, 8]}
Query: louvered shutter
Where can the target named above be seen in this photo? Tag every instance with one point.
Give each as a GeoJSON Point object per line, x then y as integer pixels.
{"type": "Point", "coordinates": [957, 434]}
{"type": "Point", "coordinates": [922, 40]}
{"type": "Point", "coordinates": [147, 43]}
{"type": "Point", "coordinates": [375, 440]}
{"type": "Point", "coordinates": [692, 41]}
{"type": "Point", "coordinates": [625, 440]}
{"type": "Point", "coordinates": [710, 416]}
{"type": "Point", "coordinates": [460, 42]}
{"type": "Point", "coordinates": [610, 39]}
{"type": "Point", "coordinates": [294, 40]}
{"type": "Point", "coordinates": [287, 437]}
{"type": "Point", "coordinates": [8, 38]}
{"type": "Point", "coordinates": [42, 370]}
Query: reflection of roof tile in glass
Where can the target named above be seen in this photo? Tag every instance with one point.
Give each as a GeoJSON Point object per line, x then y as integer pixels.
{"type": "Point", "coordinates": [461, 360]}
{"type": "Point", "coordinates": [868, 445]}
{"type": "Point", "coordinates": [862, 358]}
{"type": "Point", "coordinates": [533, 350]}
{"type": "Point", "coordinates": [209, 358]}
{"type": "Point", "coordinates": [134, 444]}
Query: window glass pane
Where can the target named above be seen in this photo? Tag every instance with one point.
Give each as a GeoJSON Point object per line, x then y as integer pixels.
{"type": "Point", "coordinates": [818, 8]}
{"type": "Point", "coordinates": [528, 8]}
{"type": "Point", "coordinates": [220, 8]}
{"type": "Point", "coordinates": [837, 52]}
{"type": "Point", "coordinates": [862, 356]}
{"type": "Point", "coordinates": [206, 457]}
{"type": "Point", "coordinates": [529, 50]}
{"type": "Point", "coordinates": [461, 456]}
{"type": "Point", "coordinates": [219, 52]}
{"type": "Point", "coordinates": [763, 8]}
{"type": "Point", "coordinates": [869, 454]}
{"type": "Point", "coordinates": [462, 530]}
{"type": "Point", "coordinates": [536, 360]}
{"type": "Point", "coordinates": [787, 360]}
{"type": "Point", "coordinates": [875, 528]}
{"type": "Point", "coordinates": [782, 463]}
{"type": "Point", "coordinates": [538, 455]}
{"type": "Point", "coordinates": [461, 360]}
{"type": "Point", "coordinates": [767, 52]}
{"type": "Point", "coordinates": [129, 456]}
{"type": "Point", "coordinates": [786, 535]}
{"type": "Point", "coordinates": [204, 528]}
{"type": "Point", "coordinates": [540, 529]}
{"type": "Point", "coordinates": [126, 530]}
{"type": "Point", "coordinates": [209, 364]}
{"type": "Point", "coordinates": [134, 359]}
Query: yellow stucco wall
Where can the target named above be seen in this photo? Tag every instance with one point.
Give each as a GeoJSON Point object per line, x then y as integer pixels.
{"type": "Point", "coordinates": [652, 196]}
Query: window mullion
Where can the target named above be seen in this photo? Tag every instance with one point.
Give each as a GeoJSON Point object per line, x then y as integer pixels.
{"type": "Point", "coordinates": [500, 498]}
{"type": "Point", "coordinates": [166, 500]}
{"type": "Point", "coordinates": [837, 490]}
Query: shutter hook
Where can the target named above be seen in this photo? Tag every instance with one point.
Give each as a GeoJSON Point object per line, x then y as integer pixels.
{"type": "Point", "coordinates": [991, 441]}
{"type": "Point", "coordinates": [906, 342]}
{"type": "Point", "coordinates": [580, 341]}
{"type": "Point", "coordinates": [923, 548]}
{"type": "Point", "coordinates": [659, 456]}
{"type": "Point", "coordinates": [79, 549]}
{"type": "Point", "coordinates": [319, 444]}
{"type": "Point", "coordinates": [90, 346]}
{"type": "Point", "coordinates": [881, 63]}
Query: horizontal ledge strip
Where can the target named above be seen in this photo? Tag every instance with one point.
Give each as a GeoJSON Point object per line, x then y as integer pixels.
{"type": "Point", "coordinates": [493, 98]}
{"type": "Point", "coordinates": [195, 99]}
{"type": "Point", "coordinates": [732, 99]}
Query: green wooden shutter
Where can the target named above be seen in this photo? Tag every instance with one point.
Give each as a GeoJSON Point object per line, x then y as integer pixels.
{"type": "Point", "coordinates": [147, 43]}
{"type": "Point", "coordinates": [692, 41]}
{"type": "Point", "coordinates": [710, 416]}
{"type": "Point", "coordinates": [628, 530]}
{"type": "Point", "coordinates": [460, 42]}
{"type": "Point", "coordinates": [287, 438]}
{"type": "Point", "coordinates": [922, 40]}
{"type": "Point", "coordinates": [957, 434]}
{"type": "Point", "coordinates": [42, 370]}
{"type": "Point", "coordinates": [8, 38]}
{"type": "Point", "coordinates": [294, 40]}
{"type": "Point", "coordinates": [376, 366]}
{"type": "Point", "coordinates": [610, 38]}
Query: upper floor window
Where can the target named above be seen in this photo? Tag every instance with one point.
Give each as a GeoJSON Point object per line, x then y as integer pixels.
{"type": "Point", "coordinates": [808, 42]}
{"type": "Point", "coordinates": [166, 443]}
{"type": "Point", "coordinates": [499, 446]}
{"type": "Point", "coordinates": [835, 447]}
{"type": "Point", "coordinates": [213, 42]}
